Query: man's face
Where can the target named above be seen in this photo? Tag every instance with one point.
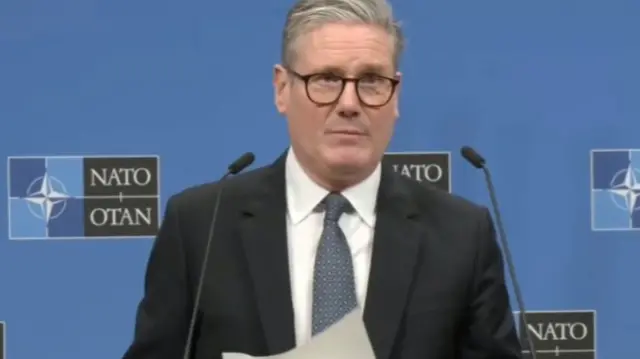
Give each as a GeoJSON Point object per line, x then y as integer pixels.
{"type": "Point", "coordinates": [347, 136]}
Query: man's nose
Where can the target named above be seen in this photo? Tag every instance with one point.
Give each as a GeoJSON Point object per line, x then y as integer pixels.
{"type": "Point", "coordinates": [349, 103]}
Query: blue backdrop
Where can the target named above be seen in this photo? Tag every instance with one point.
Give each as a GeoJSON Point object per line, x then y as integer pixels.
{"type": "Point", "coordinates": [535, 86]}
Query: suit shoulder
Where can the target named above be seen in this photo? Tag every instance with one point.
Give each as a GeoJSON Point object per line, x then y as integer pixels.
{"type": "Point", "coordinates": [204, 194]}
{"type": "Point", "coordinates": [430, 198]}
{"type": "Point", "coordinates": [456, 222]}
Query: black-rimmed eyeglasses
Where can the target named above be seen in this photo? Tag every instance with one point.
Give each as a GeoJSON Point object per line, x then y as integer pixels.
{"type": "Point", "coordinates": [326, 88]}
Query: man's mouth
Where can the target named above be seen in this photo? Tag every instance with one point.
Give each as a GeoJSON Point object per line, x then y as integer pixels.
{"type": "Point", "coordinates": [347, 132]}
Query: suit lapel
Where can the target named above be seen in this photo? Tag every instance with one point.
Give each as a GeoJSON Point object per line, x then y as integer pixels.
{"type": "Point", "coordinates": [264, 237]}
{"type": "Point", "coordinates": [395, 255]}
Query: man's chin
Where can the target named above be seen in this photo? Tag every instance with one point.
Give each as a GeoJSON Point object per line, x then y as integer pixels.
{"type": "Point", "coordinates": [348, 160]}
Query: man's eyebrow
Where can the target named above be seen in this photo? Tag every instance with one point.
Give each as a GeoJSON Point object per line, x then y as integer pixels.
{"type": "Point", "coordinates": [366, 69]}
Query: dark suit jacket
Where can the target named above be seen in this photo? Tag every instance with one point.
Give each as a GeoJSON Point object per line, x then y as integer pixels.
{"type": "Point", "coordinates": [436, 287]}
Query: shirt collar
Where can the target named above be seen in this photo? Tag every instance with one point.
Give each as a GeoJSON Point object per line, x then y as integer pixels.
{"type": "Point", "coordinates": [303, 194]}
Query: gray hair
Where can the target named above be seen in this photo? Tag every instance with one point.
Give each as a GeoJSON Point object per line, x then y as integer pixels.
{"type": "Point", "coordinates": [307, 15]}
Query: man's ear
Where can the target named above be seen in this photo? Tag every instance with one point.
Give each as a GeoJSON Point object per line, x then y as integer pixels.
{"type": "Point", "coordinates": [396, 95]}
{"type": "Point", "coordinates": [281, 88]}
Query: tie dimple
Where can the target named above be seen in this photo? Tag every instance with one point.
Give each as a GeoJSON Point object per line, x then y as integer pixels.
{"type": "Point", "coordinates": [334, 292]}
{"type": "Point", "coordinates": [335, 206]}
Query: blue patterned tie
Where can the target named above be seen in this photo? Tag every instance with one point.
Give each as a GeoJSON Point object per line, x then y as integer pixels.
{"type": "Point", "coordinates": [334, 293]}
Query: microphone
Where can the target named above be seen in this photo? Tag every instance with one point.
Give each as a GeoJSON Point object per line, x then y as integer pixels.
{"type": "Point", "coordinates": [479, 162]}
{"type": "Point", "coordinates": [234, 168]}
{"type": "Point", "coordinates": [240, 164]}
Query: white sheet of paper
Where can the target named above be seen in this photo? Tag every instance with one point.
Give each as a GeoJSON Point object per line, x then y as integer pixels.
{"type": "Point", "coordinates": [346, 339]}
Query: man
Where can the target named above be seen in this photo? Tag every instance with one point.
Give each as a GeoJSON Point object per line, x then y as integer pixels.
{"type": "Point", "coordinates": [325, 229]}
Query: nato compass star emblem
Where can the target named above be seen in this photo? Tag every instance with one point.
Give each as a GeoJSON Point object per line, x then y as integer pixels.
{"type": "Point", "coordinates": [625, 189]}
{"type": "Point", "coordinates": [46, 197]}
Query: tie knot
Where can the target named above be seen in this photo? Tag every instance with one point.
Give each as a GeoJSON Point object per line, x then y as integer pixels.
{"type": "Point", "coordinates": [335, 205]}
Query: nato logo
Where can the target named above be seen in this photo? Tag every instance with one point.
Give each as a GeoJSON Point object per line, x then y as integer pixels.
{"type": "Point", "coordinates": [80, 197]}
{"type": "Point", "coordinates": [615, 188]}
{"type": "Point", "coordinates": [569, 334]}
{"type": "Point", "coordinates": [433, 168]}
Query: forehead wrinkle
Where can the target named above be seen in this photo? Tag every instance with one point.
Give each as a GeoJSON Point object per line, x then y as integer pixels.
{"type": "Point", "coordinates": [341, 48]}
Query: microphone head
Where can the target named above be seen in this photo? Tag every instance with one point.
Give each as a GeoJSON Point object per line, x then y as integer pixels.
{"type": "Point", "coordinates": [241, 163]}
{"type": "Point", "coordinates": [472, 156]}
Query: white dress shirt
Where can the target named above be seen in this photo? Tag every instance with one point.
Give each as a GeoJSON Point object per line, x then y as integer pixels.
{"type": "Point", "coordinates": [304, 228]}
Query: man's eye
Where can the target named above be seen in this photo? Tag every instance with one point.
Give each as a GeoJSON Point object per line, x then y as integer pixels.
{"type": "Point", "coordinates": [328, 78]}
